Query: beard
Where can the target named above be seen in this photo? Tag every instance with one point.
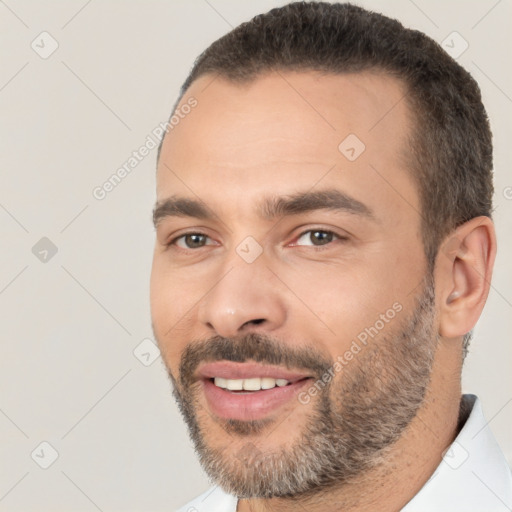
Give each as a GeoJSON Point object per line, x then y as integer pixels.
{"type": "Point", "coordinates": [353, 422]}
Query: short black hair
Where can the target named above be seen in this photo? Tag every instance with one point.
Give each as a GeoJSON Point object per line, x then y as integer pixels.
{"type": "Point", "coordinates": [451, 141]}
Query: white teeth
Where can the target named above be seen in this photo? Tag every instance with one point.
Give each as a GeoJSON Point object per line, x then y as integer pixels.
{"type": "Point", "coordinates": [268, 383]}
{"type": "Point", "coordinates": [234, 385]}
{"type": "Point", "coordinates": [222, 383]}
{"type": "Point", "coordinates": [253, 384]}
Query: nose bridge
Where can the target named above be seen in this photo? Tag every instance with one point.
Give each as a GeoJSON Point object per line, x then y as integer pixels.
{"type": "Point", "coordinates": [244, 294]}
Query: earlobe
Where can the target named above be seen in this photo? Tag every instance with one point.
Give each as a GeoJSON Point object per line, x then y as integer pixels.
{"type": "Point", "coordinates": [463, 276]}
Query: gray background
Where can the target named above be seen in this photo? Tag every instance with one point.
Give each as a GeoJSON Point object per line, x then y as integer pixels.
{"type": "Point", "coordinates": [72, 321]}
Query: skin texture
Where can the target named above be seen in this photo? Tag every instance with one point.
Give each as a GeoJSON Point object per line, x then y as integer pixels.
{"type": "Point", "coordinates": [276, 136]}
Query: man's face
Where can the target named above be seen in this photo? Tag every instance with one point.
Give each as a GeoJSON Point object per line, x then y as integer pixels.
{"type": "Point", "coordinates": [270, 289]}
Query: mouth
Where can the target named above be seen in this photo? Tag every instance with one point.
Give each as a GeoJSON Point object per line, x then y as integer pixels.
{"type": "Point", "coordinates": [248, 391]}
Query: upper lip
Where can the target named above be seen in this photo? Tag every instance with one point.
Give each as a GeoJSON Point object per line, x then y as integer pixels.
{"type": "Point", "coordinates": [233, 370]}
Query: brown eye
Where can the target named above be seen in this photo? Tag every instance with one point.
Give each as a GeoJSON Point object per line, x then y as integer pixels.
{"type": "Point", "coordinates": [316, 237]}
{"type": "Point", "coordinates": [321, 237]}
{"type": "Point", "coordinates": [190, 241]}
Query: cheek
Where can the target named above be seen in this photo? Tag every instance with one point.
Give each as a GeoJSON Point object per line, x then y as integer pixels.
{"type": "Point", "coordinates": [168, 314]}
{"type": "Point", "coordinates": [346, 300]}
{"type": "Point", "coordinates": [158, 297]}
{"type": "Point", "coordinates": [170, 294]}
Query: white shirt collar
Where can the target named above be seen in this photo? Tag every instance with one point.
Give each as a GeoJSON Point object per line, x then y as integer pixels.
{"type": "Point", "coordinates": [472, 477]}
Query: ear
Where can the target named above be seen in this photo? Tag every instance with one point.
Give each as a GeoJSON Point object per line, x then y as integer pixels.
{"type": "Point", "coordinates": [463, 275]}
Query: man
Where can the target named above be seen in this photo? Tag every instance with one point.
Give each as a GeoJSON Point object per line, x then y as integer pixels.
{"type": "Point", "coordinates": [324, 248]}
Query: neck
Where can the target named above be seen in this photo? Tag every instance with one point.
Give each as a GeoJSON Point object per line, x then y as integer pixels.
{"type": "Point", "coordinates": [407, 466]}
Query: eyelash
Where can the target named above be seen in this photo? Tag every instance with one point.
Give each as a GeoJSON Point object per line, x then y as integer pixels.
{"type": "Point", "coordinates": [341, 238]}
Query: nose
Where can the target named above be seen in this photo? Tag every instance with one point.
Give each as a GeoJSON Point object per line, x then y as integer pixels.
{"type": "Point", "coordinates": [246, 298]}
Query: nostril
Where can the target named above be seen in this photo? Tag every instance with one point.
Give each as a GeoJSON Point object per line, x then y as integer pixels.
{"type": "Point", "coordinates": [255, 322]}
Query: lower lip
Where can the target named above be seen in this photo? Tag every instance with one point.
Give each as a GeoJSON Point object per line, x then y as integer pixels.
{"type": "Point", "coordinates": [254, 405]}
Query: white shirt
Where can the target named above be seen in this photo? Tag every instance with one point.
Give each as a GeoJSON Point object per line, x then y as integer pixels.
{"type": "Point", "coordinates": [472, 477]}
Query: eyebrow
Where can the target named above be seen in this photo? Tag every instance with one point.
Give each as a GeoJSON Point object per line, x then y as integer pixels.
{"type": "Point", "coordinates": [176, 206]}
{"type": "Point", "coordinates": [270, 207]}
{"type": "Point", "coordinates": [303, 202]}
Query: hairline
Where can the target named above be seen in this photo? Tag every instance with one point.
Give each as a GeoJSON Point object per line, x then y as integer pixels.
{"type": "Point", "coordinates": [252, 77]}
{"type": "Point", "coordinates": [410, 146]}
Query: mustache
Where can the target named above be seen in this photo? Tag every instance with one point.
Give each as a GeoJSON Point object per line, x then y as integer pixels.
{"type": "Point", "coordinates": [256, 347]}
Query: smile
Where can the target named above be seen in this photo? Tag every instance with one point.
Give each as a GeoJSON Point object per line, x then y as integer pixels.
{"type": "Point", "coordinates": [248, 391]}
{"type": "Point", "coordinates": [253, 384]}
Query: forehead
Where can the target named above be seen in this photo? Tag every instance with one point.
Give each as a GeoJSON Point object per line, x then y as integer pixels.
{"type": "Point", "coordinates": [285, 131]}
